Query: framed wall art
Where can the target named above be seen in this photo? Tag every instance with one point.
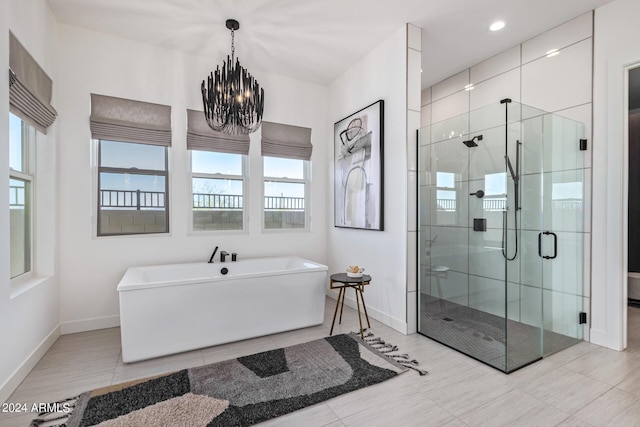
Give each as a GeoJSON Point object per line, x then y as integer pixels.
{"type": "Point", "coordinates": [358, 169]}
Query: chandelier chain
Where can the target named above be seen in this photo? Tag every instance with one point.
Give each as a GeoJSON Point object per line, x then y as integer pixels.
{"type": "Point", "coordinates": [233, 47]}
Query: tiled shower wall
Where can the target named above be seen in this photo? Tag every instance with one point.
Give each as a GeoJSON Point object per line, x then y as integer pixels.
{"type": "Point", "coordinates": [559, 83]}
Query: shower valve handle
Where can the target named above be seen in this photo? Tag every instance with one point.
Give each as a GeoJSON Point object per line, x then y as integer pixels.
{"type": "Point", "coordinates": [479, 194]}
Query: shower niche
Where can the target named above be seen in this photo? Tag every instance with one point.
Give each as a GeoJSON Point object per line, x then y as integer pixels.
{"type": "Point", "coordinates": [501, 234]}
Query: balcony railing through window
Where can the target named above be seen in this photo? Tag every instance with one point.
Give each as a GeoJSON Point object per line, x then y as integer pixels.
{"type": "Point", "coordinates": [139, 200]}
{"type": "Point", "coordinates": [16, 196]}
{"type": "Point", "coordinates": [284, 203]}
{"type": "Point", "coordinates": [132, 199]}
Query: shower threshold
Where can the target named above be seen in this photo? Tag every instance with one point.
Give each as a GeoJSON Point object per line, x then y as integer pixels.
{"type": "Point", "coordinates": [482, 335]}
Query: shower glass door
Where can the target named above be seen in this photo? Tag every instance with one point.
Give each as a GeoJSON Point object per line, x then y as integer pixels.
{"type": "Point", "coordinates": [486, 194]}
{"type": "Point", "coordinates": [553, 227]}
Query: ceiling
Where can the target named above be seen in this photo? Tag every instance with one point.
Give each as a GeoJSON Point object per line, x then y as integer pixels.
{"type": "Point", "coordinates": [317, 40]}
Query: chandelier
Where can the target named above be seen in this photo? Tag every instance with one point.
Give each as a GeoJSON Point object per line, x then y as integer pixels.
{"type": "Point", "coordinates": [233, 100]}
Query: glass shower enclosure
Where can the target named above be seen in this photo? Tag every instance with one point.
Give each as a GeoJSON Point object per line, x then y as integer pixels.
{"type": "Point", "coordinates": [500, 240]}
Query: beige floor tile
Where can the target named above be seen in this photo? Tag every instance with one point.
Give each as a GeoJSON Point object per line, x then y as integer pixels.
{"type": "Point", "coordinates": [609, 407]}
{"type": "Point", "coordinates": [574, 422]}
{"type": "Point", "coordinates": [371, 397]}
{"type": "Point", "coordinates": [21, 420]}
{"type": "Point", "coordinates": [68, 373]}
{"type": "Point", "coordinates": [566, 390]}
{"type": "Point", "coordinates": [335, 424]}
{"type": "Point", "coordinates": [54, 392]}
{"type": "Point", "coordinates": [572, 353]}
{"type": "Point", "coordinates": [147, 368]}
{"type": "Point", "coordinates": [526, 375]}
{"type": "Point", "coordinates": [81, 352]}
{"type": "Point", "coordinates": [406, 411]}
{"type": "Point", "coordinates": [299, 336]}
{"type": "Point", "coordinates": [317, 415]}
{"type": "Point", "coordinates": [630, 418]}
{"type": "Point", "coordinates": [515, 408]}
{"type": "Point", "coordinates": [608, 366]}
{"type": "Point", "coordinates": [455, 423]}
{"type": "Point", "coordinates": [465, 389]}
{"type": "Point", "coordinates": [631, 383]}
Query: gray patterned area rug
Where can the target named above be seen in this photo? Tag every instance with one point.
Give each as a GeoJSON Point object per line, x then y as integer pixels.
{"type": "Point", "coordinates": [238, 392]}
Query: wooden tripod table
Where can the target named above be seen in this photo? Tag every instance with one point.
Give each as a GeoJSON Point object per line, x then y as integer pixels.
{"type": "Point", "coordinates": [341, 281]}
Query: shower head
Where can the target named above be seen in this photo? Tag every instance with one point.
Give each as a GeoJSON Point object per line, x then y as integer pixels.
{"type": "Point", "coordinates": [472, 142]}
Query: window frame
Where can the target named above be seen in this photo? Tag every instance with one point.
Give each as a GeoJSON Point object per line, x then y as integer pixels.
{"type": "Point", "coordinates": [133, 170]}
{"type": "Point", "coordinates": [306, 180]}
{"type": "Point", "coordinates": [28, 175]}
{"type": "Point", "coordinates": [245, 191]}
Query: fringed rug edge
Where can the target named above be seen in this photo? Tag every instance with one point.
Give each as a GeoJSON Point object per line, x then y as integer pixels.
{"type": "Point", "coordinates": [389, 351]}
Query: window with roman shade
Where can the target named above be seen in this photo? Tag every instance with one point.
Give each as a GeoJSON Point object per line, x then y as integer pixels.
{"type": "Point", "coordinates": [133, 183]}
{"type": "Point", "coordinates": [126, 120]}
{"type": "Point", "coordinates": [286, 154]}
{"type": "Point", "coordinates": [218, 176]}
{"type": "Point", "coordinates": [201, 137]}
{"type": "Point", "coordinates": [292, 142]}
{"type": "Point", "coordinates": [29, 88]}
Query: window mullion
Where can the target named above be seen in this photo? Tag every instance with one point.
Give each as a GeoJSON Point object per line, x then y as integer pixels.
{"type": "Point", "coordinates": [133, 171]}
{"type": "Point", "coordinates": [20, 175]}
{"type": "Point", "coordinates": [216, 176]}
{"type": "Point", "coordinates": [291, 180]}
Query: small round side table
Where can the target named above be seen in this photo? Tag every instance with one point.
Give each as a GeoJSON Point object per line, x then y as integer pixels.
{"type": "Point", "coordinates": [341, 281]}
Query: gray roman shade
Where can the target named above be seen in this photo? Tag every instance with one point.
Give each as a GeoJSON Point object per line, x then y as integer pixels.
{"type": "Point", "coordinates": [29, 88]}
{"type": "Point", "coordinates": [119, 119]}
{"type": "Point", "coordinates": [293, 142]}
{"type": "Point", "coordinates": [201, 137]}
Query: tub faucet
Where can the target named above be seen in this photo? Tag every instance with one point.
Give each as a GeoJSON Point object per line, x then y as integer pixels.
{"type": "Point", "coordinates": [213, 254]}
{"type": "Point", "coordinates": [223, 256]}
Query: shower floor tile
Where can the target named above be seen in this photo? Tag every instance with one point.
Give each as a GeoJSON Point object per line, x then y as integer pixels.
{"type": "Point", "coordinates": [483, 335]}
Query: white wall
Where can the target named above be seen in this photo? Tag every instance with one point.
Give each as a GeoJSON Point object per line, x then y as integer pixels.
{"type": "Point", "coordinates": [380, 74]}
{"type": "Point", "coordinates": [616, 46]}
{"type": "Point", "coordinates": [29, 313]}
{"type": "Point", "coordinates": [90, 62]}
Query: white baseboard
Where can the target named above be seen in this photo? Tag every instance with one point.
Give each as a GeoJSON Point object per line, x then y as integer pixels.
{"type": "Point", "coordinates": [23, 370]}
{"type": "Point", "coordinates": [90, 324]}
{"type": "Point", "coordinates": [399, 325]}
{"type": "Point", "coordinates": [600, 337]}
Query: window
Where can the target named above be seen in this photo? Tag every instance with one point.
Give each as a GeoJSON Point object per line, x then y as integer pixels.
{"type": "Point", "coordinates": [133, 188]}
{"type": "Point", "coordinates": [218, 183]}
{"type": "Point", "coordinates": [286, 183]}
{"type": "Point", "coordinates": [21, 182]}
{"type": "Point", "coordinates": [446, 191]}
{"type": "Point", "coordinates": [495, 192]}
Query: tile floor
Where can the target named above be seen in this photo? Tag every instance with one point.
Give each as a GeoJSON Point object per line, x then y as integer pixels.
{"type": "Point", "coordinates": [581, 386]}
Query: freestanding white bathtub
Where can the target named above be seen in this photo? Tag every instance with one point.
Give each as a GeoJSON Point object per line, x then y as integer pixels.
{"type": "Point", "coordinates": [168, 309]}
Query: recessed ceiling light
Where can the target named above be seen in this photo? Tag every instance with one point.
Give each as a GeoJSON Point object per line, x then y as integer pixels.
{"type": "Point", "coordinates": [469, 87]}
{"type": "Point", "coordinates": [552, 52]}
{"type": "Point", "coordinates": [498, 25]}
